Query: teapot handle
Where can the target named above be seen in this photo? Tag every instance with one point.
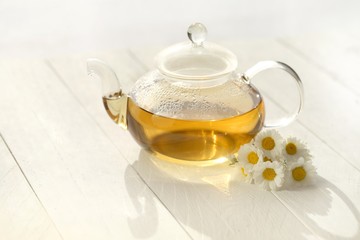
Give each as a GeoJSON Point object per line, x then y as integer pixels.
{"type": "Point", "coordinates": [264, 65]}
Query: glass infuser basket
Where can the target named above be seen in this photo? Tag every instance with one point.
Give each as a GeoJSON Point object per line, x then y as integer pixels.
{"type": "Point", "coordinates": [194, 106]}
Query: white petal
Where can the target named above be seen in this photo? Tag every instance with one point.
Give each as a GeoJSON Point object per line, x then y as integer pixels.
{"type": "Point", "coordinates": [265, 185]}
{"type": "Point", "coordinates": [278, 181]}
{"type": "Point", "coordinates": [272, 185]}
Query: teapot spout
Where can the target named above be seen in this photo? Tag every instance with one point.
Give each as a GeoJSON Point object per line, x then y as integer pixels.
{"type": "Point", "coordinates": [114, 100]}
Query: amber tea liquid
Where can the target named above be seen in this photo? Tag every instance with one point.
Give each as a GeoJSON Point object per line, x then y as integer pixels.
{"type": "Point", "coordinates": [192, 140]}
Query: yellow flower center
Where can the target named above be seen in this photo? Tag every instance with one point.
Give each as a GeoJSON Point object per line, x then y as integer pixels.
{"type": "Point", "coordinates": [253, 158]}
{"type": "Point", "coordinates": [298, 173]}
{"type": "Point", "coordinates": [268, 143]}
{"type": "Point", "coordinates": [243, 172]}
{"type": "Point", "coordinates": [266, 159]}
{"type": "Point", "coordinates": [291, 149]}
{"type": "Point", "coordinates": [269, 174]}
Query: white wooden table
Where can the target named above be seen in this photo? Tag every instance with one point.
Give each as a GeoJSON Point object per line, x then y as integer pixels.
{"type": "Point", "coordinates": [67, 172]}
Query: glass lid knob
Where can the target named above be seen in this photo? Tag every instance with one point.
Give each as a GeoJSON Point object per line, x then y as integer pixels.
{"type": "Point", "coordinates": [197, 33]}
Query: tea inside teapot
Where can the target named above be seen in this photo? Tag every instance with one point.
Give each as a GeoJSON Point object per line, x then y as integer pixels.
{"type": "Point", "coordinates": [189, 139]}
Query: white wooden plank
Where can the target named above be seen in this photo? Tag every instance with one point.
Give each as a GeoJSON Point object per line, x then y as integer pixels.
{"type": "Point", "coordinates": [21, 214]}
{"type": "Point", "coordinates": [336, 195]}
{"type": "Point", "coordinates": [331, 207]}
{"type": "Point", "coordinates": [214, 207]}
{"type": "Point", "coordinates": [336, 54]}
{"type": "Point", "coordinates": [86, 186]}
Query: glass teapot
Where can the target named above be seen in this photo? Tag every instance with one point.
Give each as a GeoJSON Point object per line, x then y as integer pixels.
{"type": "Point", "coordinates": [194, 106]}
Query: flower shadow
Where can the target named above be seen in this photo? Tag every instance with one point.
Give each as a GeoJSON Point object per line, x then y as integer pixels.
{"type": "Point", "coordinates": [325, 209]}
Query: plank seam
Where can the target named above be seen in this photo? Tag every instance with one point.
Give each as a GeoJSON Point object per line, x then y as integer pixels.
{"type": "Point", "coordinates": [30, 185]}
{"type": "Point", "coordinates": [137, 60]}
{"type": "Point", "coordinates": [294, 214]}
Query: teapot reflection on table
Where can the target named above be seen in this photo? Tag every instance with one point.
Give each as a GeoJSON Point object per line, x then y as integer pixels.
{"type": "Point", "coordinates": [194, 106]}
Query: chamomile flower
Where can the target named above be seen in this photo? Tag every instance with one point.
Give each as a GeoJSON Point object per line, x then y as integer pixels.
{"type": "Point", "coordinates": [270, 142]}
{"type": "Point", "coordinates": [300, 173]}
{"type": "Point", "coordinates": [249, 156]}
{"type": "Point", "coordinates": [294, 148]}
{"type": "Point", "coordinates": [270, 175]}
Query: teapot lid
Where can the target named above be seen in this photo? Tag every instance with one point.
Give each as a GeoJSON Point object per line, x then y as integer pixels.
{"type": "Point", "coordinates": [197, 59]}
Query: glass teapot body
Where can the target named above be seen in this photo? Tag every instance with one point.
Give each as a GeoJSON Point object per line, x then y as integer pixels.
{"type": "Point", "coordinates": [194, 107]}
